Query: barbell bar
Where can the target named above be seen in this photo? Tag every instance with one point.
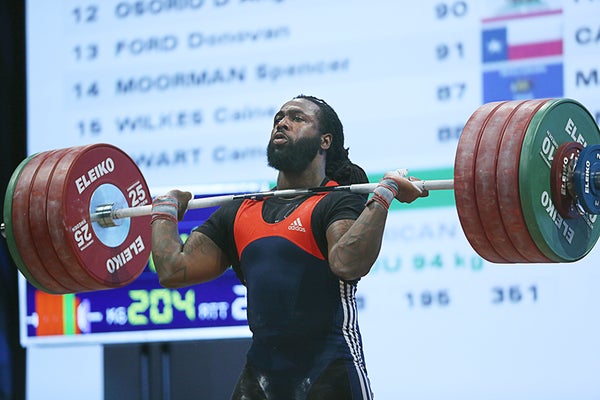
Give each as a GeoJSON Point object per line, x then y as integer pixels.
{"type": "Point", "coordinates": [526, 184]}
{"type": "Point", "coordinates": [107, 213]}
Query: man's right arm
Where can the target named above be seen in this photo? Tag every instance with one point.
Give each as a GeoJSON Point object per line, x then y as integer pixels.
{"type": "Point", "coordinates": [179, 264]}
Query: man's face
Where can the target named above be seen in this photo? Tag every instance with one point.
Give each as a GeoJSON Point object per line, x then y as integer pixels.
{"type": "Point", "coordinates": [295, 138]}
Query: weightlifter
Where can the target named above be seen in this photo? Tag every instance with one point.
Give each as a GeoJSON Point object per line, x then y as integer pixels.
{"type": "Point", "coordinates": [300, 259]}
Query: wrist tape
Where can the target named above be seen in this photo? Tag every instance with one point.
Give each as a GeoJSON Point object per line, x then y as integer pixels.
{"type": "Point", "coordinates": [384, 193]}
{"type": "Point", "coordinates": [165, 207]}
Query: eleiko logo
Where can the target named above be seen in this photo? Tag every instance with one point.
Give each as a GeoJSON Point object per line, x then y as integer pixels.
{"type": "Point", "coordinates": [296, 225]}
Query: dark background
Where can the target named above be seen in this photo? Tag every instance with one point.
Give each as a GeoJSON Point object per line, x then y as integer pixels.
{"type": "Point", "coordinates": [12, 150]}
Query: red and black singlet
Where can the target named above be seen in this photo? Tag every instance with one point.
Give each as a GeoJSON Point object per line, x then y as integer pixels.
{"type": "Point", "coordinates": [301, 315]}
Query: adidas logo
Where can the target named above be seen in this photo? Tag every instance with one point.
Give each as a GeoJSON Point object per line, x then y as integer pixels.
{"type": "Point", "coordinates": [296, 225]}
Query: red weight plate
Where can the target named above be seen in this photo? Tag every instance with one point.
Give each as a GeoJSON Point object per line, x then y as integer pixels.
{"type": "Point", "coordinates": [507, 175]}
{"type": "Point", "coordinates": [561, 173]}
{"type": "Point", "coordinates": [56, 220]}
{"type": "Point", "coordinates": [82, 173]}
{"type": "Point", "coordinates": [70, 275]}
{"type": "Point", "coordinates": [464, 183]}
{"type": "Point", "coordinates": [8, 224]}
{"type": "Point", "coordinates": [485, 182]}
{"type": "Point", "coordinates": [21, 227]}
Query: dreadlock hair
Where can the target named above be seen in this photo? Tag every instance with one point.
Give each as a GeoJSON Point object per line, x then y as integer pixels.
{"type": "Point", "coordinates": [337, 165]}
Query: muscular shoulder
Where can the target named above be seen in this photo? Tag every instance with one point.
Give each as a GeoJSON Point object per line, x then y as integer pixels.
{"type": "Point", "coordinates": [335, 206]}
{"type": "Point", "coordinates": [339, 205]}
{"type": "Point", "coordinates": [219, 226]}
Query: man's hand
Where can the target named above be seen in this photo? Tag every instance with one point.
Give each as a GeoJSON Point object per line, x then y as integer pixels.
{"type": "Point", "coordinates": [183, 198]}
{"type": "Point", "coordinates": [170, 207]}
{"type": "Point", "coordinates": [394, 185]}
{"type": "Point", "coordinates": [407, 192]}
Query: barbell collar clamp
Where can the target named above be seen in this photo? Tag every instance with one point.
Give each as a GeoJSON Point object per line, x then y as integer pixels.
{"type": "Point", "coordinates": [104, 215]}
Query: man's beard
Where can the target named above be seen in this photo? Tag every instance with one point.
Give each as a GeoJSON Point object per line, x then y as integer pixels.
{"type": "Point", "coordinates": [293, 157]}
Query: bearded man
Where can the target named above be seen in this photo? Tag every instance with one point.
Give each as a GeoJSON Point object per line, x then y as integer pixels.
{"type": "Point", "coordinates": [300, 258]}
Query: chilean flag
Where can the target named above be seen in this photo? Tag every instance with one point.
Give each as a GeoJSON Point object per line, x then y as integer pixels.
{"type": "Point", "coordinates": [522, 36]}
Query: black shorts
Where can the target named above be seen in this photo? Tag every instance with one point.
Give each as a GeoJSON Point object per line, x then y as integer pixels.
{"type": "Point", "coordinates": [335, 383]}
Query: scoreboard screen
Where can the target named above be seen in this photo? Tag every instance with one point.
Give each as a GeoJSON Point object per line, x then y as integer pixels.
{"type": "Point", "coordinates": [188, 89]}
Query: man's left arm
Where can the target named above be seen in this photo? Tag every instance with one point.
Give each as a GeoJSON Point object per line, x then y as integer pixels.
{"type": "Point", "coordinates": [354, 245]}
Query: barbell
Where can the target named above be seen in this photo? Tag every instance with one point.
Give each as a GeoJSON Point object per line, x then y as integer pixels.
{"type": "Point", "coordinates": [526, 183]}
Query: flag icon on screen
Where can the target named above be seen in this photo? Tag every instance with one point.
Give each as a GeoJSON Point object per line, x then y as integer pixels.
{"type": "Point", "coordinates": [498, 47]}
{"type": "Point", "coordinates": [523, 82]}
{"type": "Point", "coordinates": [522, 54]}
